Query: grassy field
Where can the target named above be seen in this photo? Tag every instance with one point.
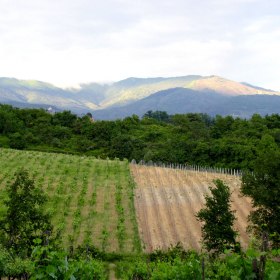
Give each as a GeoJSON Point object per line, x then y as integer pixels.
{"type": "Point", "coordinates": [91, 200]}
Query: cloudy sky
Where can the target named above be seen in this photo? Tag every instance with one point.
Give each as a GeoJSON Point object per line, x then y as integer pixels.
{"type": "Point", "coordinates": [67, 42]}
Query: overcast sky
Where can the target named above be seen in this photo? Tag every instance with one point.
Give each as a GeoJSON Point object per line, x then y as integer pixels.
{"type": "Point", "coordinates": [67, 42]}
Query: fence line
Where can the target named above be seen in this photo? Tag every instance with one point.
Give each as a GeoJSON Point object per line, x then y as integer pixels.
{"type": "Point", "coordinates": [195, 168]}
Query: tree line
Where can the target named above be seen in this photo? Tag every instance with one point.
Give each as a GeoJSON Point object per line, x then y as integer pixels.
{"type": "Point", "coordinates": [181, 138]}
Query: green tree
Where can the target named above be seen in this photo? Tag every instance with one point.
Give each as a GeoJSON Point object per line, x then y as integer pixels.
{"type": "Point", "coordinates": [65, 118]}
{"type": "Point", "coordinates": [222, 126]}
{"type": "Point", "coordinates": [161, 116]}
{"type": "Point", "coordinates": [24, 220]}
{"type": "Point", "coordinates": [217, 230]}
{"type": "Point", "coordinates": [17, 141]}
{"type": "Point", "coordinates": [263, 186]}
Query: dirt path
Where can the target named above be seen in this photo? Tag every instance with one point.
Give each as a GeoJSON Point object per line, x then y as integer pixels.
{"type": "Point", "coordinates": [112, 268]}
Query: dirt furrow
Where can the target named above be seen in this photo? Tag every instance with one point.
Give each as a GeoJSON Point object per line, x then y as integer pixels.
{"type": "Point", "coordinates": [189, 223]}
{"type": "Point", "coordinates": [172, 199]}
{"type": "Point", "coordinates": [142, 219]}
{"type": "Point", "coordinates": [168, 210]}
{"type": "Point", "coordinates": [181, 191]}
{"type": "Point", "coordinates": [160, 209]}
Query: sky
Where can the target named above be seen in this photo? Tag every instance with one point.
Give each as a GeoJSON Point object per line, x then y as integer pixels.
{"type": "Point", "coordinates": [68, 42]}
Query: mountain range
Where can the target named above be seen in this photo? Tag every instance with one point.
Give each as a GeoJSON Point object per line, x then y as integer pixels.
{"type": "Point", "coordinates": [206, 94]}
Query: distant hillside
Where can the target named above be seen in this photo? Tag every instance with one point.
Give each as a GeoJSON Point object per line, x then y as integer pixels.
{"type": "Point", "coordinates": [246, 106]}
{"type": "Point", "coordinates": [180, 100]}
{"type": "Point", "coordinates": [21, 105]}
{"type": "Point", "coordinates": [227, 87]}
{"type": "Point", "coordinates": [133, 89]}
{"type": "Point", "coordinates": [191, 93]}
{"type": "Point", "coordinates": [35, 92]}
{"type": "Point", "coordinates": [176, 100]}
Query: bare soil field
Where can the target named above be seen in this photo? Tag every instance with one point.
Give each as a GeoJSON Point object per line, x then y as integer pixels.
{"type": "Point", "coordinates": [167, 200]}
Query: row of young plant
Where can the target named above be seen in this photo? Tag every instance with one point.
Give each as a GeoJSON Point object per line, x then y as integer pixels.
{"type": "Point", "coordinates": [24, 199]}
{"type": "Point", "coordinates": [105, 235]}
{"type": "Point", "coordinates": [73, 184]}
{"type": "Point", "coordinates": [121, 233]}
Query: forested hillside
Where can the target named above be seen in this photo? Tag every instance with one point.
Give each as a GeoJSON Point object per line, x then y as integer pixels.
{"type": "Point", "coordinates": [185, 138]}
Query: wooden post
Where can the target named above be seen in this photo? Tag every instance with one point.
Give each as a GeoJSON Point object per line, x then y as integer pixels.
{"type": "Point", "coordinates": [203, 268]}
{"type": "Point", "coordinates": [255, 268]}
{"type": "Point", "coordinates": [263, 257]}
{"type": "Point", "coordinates": [258, 267]}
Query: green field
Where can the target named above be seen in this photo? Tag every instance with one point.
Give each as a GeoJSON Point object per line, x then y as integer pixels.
{"type": "Point", "coordinates": [90, 200]}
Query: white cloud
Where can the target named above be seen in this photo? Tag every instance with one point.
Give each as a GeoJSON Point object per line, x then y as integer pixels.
{"type": "Point", "coordinates": [70, 41]}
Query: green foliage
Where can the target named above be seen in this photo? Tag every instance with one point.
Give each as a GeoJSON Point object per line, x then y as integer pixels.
{"type": "Point", "coordinates": [121, 218]}
{"type": "Point", "coordinates": [90, 201]}
{"type": "Point", "coordinates": [24, 219]}
{"type": "Point", "coordinates": [4, 141]}
{"type": "Point", "coordinates": [64, 119]}
{"type": "Point", "coordinates": [178, 269]}
{"type": "Point", "coordinates": [263, 186]}
{"type": "Point", "coordinates": [51, 264]}
{"type": "Point", "coordinates": [12, 265]}
{"type": "Point", "coordinates": [47, 263]}
{"type": "Point", "coordinates": [175, 263]}
{"type": "Point", "coordinates": [169, 255]}
{"type": "Point", "coordinates": [194, 138]}
{"type": "Point", "coordinates": [17, 141]}
{"type": "Point", "coordinates": [218, 219]}
{"type": "Point", "coordinates": [230, 266]}
{"type": "Point", "coordinates": [161, 116]}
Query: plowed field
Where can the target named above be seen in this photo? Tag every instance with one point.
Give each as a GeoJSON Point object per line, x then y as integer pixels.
{"type": "Point", "coordinates": [166, 201]}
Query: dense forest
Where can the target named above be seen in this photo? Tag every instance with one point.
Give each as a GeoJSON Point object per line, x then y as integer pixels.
{"type": "Point", "coordinates": [182, 138]}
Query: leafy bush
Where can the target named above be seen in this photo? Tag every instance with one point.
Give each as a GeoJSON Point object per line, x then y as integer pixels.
{"type": "Point", "coordinates": [11, 266]}
{"type": "Point", "coordinates": [229, 266]}
{"type": "Point", "coordinates": [51, 264]}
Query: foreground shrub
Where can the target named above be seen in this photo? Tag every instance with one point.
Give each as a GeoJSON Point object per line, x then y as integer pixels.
{"type": "Point", "coordinates": [13, 266]}
{"type": "Point", "coordinates": [229, 266]}
{"type": "Point", "coordinates": [50, 264]}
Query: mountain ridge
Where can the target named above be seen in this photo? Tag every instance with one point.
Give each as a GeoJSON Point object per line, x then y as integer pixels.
{"type": "Point", "coordinates": [130, 93]}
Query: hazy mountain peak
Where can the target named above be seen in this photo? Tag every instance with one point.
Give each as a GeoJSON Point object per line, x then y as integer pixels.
{"type": "Point", "coordinates": [227, 87]}
{"type": "Point", "coordinates": [93, 96]}
{"type": "Point", "coordinates": [259, 88]}
{"type": "Point", "coordinates": [32, 84]}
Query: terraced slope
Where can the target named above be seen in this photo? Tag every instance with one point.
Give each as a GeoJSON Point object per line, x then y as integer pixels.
{"type": "Point", "coordinates": [91, 200]}
{"type": "Point", "coordinates": [167, 200]}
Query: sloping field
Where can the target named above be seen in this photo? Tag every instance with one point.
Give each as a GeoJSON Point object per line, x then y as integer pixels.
{"type": "Point", "coordinates": [167, 200]}
{"type": "Point", "coordinates": [91, 200]}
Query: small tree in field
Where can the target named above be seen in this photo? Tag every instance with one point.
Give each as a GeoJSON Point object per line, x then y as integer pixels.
{"type": "Point", "coordinates": [24, 220]}
{"type": "Point", "coordinates": [218, 219]}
